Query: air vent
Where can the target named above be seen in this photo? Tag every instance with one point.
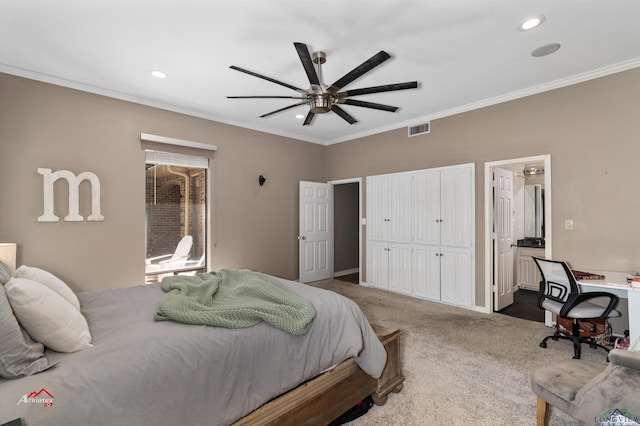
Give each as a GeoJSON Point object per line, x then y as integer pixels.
{"type": "Point", "coordinates": [420, 129]}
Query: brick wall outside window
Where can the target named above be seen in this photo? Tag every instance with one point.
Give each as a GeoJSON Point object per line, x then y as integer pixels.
{"type": "Point", "coordinates": [165, 216]}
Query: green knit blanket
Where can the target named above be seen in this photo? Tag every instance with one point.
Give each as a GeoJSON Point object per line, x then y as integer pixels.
{"type": "Point", "coordinates": [233, 298]}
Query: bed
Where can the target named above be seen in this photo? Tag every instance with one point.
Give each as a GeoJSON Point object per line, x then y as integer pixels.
{"type": "Point", "coordinates": [141, 371]}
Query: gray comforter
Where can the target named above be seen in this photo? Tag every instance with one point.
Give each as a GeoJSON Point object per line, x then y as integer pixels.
{"type": "Point", "coordinates": [145, 372]}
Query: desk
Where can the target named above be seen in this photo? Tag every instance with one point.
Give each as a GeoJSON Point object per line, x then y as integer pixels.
{"type": "Point", "coordinates": [616, 283]}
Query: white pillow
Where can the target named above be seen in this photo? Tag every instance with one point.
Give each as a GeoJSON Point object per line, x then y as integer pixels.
{"type": "Point", "coordinates": [49, 280]}
{"type": "Point", "coordinates": [47, 316]}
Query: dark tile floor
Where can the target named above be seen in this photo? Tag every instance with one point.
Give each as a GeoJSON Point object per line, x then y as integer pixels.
{"type": "Point", "coordinates": [525, 306]}
{"type": "Point", "coordinates": [351, 278]}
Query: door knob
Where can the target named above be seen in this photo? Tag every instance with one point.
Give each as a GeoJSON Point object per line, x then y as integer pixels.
{"type": "Point", "coordinates": [302, 237]}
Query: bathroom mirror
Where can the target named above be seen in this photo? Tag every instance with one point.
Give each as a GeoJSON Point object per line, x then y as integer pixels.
{"type": "Point", "coordinates": [534, 211]}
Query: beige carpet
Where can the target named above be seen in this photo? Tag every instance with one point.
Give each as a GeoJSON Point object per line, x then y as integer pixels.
{"type": "Point", "coordinates": [461, 367]}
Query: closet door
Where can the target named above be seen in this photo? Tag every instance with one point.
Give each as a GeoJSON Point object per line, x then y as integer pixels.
{"type": "Point", "coordinates": [457, 206]}
{"type": "Point", "coordinates": [426, 207]}
{"type": "Point", "coordinates": [456, 281]}
{"type": "Point", "coordinates": [378, 264]}
{"type": "Point", "coordinates": [378, 208]}
{"type": "Point", "coordinates": [400, 268]}
{"type": "Point", "coordinates": [425, 276]}
{"type": "Point", "coordinates": [399, 204]}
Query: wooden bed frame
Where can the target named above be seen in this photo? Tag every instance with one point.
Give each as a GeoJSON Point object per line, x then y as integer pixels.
{"type": "Point", "coordinates": [324, 398]}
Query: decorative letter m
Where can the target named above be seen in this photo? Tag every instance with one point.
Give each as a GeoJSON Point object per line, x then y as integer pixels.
{"type": "Point", "coordinates": [74, 188]}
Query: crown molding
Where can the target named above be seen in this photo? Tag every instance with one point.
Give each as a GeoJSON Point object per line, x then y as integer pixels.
{"type": "Point", "coordinates": [556, 84]}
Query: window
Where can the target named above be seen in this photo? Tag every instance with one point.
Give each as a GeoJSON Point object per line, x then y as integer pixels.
{"type": "Point", "coordinates": [176, 214]}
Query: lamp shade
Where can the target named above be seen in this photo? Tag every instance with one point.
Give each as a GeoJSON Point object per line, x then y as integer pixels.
{"type": "Point", "coordinates": [8, 254]}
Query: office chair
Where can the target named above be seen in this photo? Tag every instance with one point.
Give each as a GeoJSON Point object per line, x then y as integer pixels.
{"type": "Point", "coordinates": [560, 294]}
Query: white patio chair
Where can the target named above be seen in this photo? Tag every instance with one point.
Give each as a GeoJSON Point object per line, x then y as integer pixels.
{"type": "Point", "coordinates": [176, 259]}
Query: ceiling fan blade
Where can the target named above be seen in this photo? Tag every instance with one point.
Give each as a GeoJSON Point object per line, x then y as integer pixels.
{"type": "Point", "coordinates": [372, 105]}
{"type": "Point", "coordinates": [379, 89]}
{"type": "Point", "coordinates": [344, 114]}
{"type": "Point", "coordinates": [308, 119]}
{"type": "Point", "coordinates": [360, 70]}
{"type": "Point", "coordinates": [265, 97]}
{"type": "Point", "coordinates": [272, 80]}
{"type": "Point", "coordinates": [282, 109]}
{"type": "Point", "coordinates": [307, 63]}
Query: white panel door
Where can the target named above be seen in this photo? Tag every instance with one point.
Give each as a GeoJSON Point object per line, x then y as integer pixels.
{"type": "Point", "coordinates": [378, 264]}
{"type": "Point", "coordinates": [426, 207]}
{"type": "Point", "coordinates": [400, 268]}
{"type": "Point", "coordinates": [503, 238]}
{"type": "Point", "coordinates": [399, 204]}
{"type": "Point", "coordinates": [316, 231]}
{"type": "Point", "coordinates": [456, 206]}
{"type": "Point", "coordinates": [425, 265]}
{"type": "Point", "coordinates": [377, 208]}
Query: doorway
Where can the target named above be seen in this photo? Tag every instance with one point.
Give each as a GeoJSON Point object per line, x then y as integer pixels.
{"type": "Point", "coordinates": [518, 167]}
{"type": "Point", "coordinates": [347, 230]}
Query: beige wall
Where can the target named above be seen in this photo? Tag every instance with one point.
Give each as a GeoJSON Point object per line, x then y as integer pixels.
{"type": "Point", "coordinates": [43, 125]}
{"type": "Point", "coordinates": [591, 130]}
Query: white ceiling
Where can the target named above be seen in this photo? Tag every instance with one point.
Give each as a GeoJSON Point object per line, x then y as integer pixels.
{"type": "Point", "coordinates": [465, 54]}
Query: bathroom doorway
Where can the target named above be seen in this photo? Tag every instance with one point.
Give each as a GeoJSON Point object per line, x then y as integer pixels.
{"type": "Point", "coordinates": [524, 171]}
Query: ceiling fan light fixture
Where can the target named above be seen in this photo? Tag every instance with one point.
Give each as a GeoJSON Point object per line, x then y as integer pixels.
{"type": "Point", "coordinates": [531, 23]}
{"type": "Point", "coordinates": [320, 102]}
{"type": "Point", "coordinates": [532, 171]}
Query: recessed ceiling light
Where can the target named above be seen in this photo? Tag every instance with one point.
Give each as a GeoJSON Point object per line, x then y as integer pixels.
{"type": "Point", "coordinates": [299, 116]}
{"type": "Point", "coordinates": [159, 74]}
{"type": "Point", "coordinates": [531, 23]}
{"type": "Point", "coordinates": [545, 50]}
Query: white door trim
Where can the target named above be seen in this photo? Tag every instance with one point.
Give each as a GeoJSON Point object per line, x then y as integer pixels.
{"type": "Point", "coordinates": [359, 182]}
{"type": "Point", "coordinates": [488, 216]}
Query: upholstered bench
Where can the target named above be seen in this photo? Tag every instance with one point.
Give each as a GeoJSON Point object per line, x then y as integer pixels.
{"type": "Point", "coordinates": [589, 391]}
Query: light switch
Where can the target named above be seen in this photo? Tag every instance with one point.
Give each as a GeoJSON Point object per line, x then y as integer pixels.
{"type": "Point", "coordinates": [568, 224]}
{"type": "Point", "coordinates": [364, 220]}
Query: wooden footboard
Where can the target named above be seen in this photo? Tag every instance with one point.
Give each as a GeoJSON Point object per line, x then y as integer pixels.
{"type": "Point", "coordinates": [392, 378]}
{"type": "Point", "coordinates": [324, 398]}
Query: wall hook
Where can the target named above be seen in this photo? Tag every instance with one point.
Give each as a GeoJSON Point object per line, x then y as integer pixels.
{"type": "Point", "coordinates": [262, 180]}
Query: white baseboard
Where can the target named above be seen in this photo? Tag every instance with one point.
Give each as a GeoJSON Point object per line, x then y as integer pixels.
{"type": "Point", "coordinates": [346, 272]}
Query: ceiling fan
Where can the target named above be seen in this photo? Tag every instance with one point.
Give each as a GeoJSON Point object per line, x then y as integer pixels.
{"type": "Point", "coordinates": [322, 98]}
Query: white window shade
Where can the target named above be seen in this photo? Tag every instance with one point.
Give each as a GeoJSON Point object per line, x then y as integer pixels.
{"type": "Point", "coordinates": [173, 159]}
{"type": "Point", "coordinates": [146, 137]}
